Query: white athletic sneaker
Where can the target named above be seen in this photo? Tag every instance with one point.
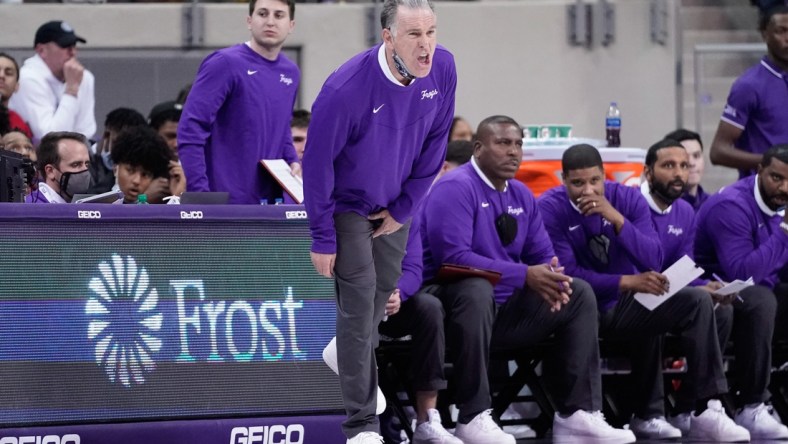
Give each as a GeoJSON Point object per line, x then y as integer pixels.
{"type": "Point", "coordinates": [654, 428]}
{"type": "Point", "coordinates": [760, 422]}
{"type": "Point", "coordinates": [714, 425]}
{"type": "Point", "coordinates": [520, 431]}
{"type": "Point", "coordinates": [482, 430]}
{"type": "Point", "coordinates": [366, 438]}
{"type": "Point", "coordinates": [681, 422]}
{"type": "Point", "coordinates": [330, 358]}
{"type": "Point", "coordinates": [432, 431]}
{"type": "Point", "coordinates": [586, 428]}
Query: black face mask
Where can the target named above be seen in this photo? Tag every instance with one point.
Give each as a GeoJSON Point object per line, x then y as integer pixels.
{"type": "Point", "coordinates": [506, 226]}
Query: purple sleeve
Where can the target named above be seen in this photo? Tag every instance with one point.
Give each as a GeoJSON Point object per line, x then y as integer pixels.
{"type": "Point", "coordinates": [207, 95]}
{"type": "Point", "coordinates": [429, 162]}
{"type": "Point", "coordinates": [638, 237]}
{"type": "Point", "coordinates": [605, 285]}
{"type": "Point", "coordinates": [412, 264]}
{"type": "Point", "coordinates": [538, 248]}
{"type": "Point", "coordinates": [738, 253]}
{"type": "Point", "coordinates": [329, 131]}
{"type": "Point", "coordinates": [741, 102]}
{"type": "Point", "coordinates": [289, 153]}
{"type": "Point", "coordinates": [449, 220]}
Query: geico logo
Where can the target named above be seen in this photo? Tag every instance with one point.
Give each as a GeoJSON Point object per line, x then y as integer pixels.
{"type": "Point", "coordinates": [48, 439]}
{"type": "Point", "coordinates": [275, 434]}
{"type": "Point", "coordinates": [295, 214]}
{"type": "Point", "coordinates": [191, 214]}
{"type": "Point", "coordinates": [82, 214]}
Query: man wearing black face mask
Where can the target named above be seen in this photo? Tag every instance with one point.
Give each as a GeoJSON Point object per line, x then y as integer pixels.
{"type": "Point", "coordinates": [63, 160]}
{"type": "Point", "coordinates": [479, 217]}
{"type": "Point", "coordinates": [603, 233]}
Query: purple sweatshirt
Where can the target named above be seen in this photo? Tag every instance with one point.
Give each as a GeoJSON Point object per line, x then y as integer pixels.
{"type": "Point", "coordinates": [676, 230]}
{"type": "Point", "coordinates": [736, 239]}
{"type": "Point", "coordinates": [413, 263]}
{"type": "Point", "coordinates": [634, 250]}
{"type": "Point", "coordinates": [374, 145]}
{"type": "Point", "coordinates": [459, 228]}
{"type": "Point", "coordinates": [238, 113]}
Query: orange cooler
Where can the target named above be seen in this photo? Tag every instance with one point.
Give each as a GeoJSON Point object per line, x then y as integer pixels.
{"type": "Point", "coordinates": [541, 166]}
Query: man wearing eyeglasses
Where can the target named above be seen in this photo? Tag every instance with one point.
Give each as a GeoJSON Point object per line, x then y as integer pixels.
{"type": "Point", "coordinates": [477, 216]}
{"type": "Point", "coordinates": [603, 233]}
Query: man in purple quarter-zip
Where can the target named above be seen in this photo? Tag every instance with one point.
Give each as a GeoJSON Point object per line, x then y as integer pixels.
{"type": "Point", "coordinates": [603, 233]}
{"type": "Point", "coordinates": [377, 139]}
{"type": "Point", "coordinates": [477, 216]}
{"type": "Point", "coordinates": [239, 110]}
{"type": "Point", "coordinates": [742, 232]}
{"type": "Point", "coordinates": [754, 117]}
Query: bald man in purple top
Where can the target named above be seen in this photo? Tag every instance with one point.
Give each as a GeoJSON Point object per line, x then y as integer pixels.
{"type": "Point", "coordinates": [239, 110]}
{"type": "Point", "coordinates": [376, 141]}
{"type": "Point", "coordinates": [478, 216]}
{"type": "Point", "coordinates": [755, 116]}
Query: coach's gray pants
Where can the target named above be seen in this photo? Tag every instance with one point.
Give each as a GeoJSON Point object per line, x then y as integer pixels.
{"type": "Point", "coordinates": [366, 272]}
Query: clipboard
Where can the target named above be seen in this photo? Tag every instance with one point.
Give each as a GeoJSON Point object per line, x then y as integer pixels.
{"type": "Point", "coordinates": [280, 170]}
{"type": "Point", "coordinates": [451, 273]}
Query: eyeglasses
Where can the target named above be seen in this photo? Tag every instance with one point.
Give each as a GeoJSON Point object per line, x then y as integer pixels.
{"type": "Point", "coordinates": [506, 226]}
{"type": "Point", "coordinates": [599, 246]}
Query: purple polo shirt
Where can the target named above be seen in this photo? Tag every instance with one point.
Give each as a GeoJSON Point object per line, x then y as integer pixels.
{"type": "Point", "coordinates": [459, 228]}
{"type": "Point", "coordinates": [238, 113]}
{"type": "Point", "coordinates": [375, 145]}
{"type": "Point", "coordinates": [634, 250]}
{"type": "Point", "coordinates": [758, 105]}
{"type": "Point", "coordinates": [738, 238]}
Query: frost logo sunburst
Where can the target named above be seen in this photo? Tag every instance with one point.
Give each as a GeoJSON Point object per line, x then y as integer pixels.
{"type": "Point", "coordinates": [123, 322]}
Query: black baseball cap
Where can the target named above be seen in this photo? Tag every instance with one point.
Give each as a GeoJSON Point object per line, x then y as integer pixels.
{"type": "Point", "coordinates": [59, 32]}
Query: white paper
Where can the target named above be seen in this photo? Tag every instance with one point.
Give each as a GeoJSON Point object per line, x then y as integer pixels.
{"type": "Point", "coordinates": [281, 172]}
{"type": "Point", "coordinates": [735, 287]}
{"type": "Point", "coordinates": [679, 275]}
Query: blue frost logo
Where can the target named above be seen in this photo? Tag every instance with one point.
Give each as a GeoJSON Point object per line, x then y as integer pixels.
{"type": "Point", "coordinates": [123, 321]}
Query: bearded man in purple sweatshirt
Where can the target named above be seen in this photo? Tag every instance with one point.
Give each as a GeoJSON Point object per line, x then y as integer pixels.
{"type": "Point", "coordinates": [239, 110]}
{"type": "Point", "coordinates": [378, 138]}
{"type": "Point", "coordinates": [742, 233]}
{"type": "Point", "coordinates": [479, 217]}
{"type": "Point", "coordinates": [667, 172]}
{"type": "Point", "coordinates": [602, 232]}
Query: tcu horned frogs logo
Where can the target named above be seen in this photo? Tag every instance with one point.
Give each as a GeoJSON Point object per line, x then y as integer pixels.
{"type": "Point", "coordinates": [123, 321]}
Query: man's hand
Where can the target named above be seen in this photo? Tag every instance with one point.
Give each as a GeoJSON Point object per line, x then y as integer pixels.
{"type": "Point", "coordinates": [394, 302]}
{"type": "Point", "coordinates": [158, 189]}
{"type": "Point", "coordinates": [72, 75]}
{"type": "Point", "coordinates": [177, 179]}
{"type": "Point", "coordinates": [389, 225]}
{"type": "Point", "coordinates": [295, 169]}
{"type": "Point", "coordinates": [550, 282]}
{"type": "Point", "coordinates": [324, 263]}
{"type": "Point", "coordinates": [712, 287]}
{"type": "Point", "coordinates": [649, 282]}
{"type": "Point", "coordinates": [595, 204]}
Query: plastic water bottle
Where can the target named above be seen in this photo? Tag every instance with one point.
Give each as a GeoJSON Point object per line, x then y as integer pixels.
{"type": "Point", "coordinates": [142, 199]}
{"type": "Point", "coordinates": [613, 126]}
